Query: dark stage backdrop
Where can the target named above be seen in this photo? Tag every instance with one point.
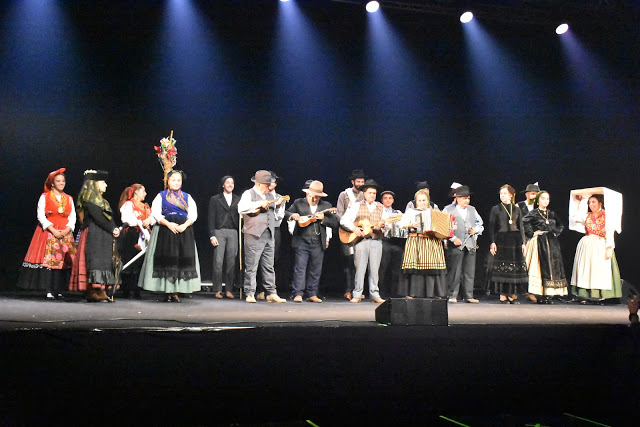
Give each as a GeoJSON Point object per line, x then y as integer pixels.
{"type": "Point", "coordinates": [312, 89]}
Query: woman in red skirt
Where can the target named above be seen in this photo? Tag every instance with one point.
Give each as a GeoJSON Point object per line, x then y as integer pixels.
{"type": "Point", "coordinates": [52, 249]}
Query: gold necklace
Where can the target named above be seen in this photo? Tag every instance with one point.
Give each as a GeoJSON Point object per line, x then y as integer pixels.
{"type": "Point", "coordinates": [509, 213]}
{"type": "Point", "coordinates": [59, 203]}
{"type": "Point", "coordinates": [546, 218]}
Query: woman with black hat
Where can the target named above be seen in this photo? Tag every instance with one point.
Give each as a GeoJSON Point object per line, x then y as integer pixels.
{"type": "Point", "coordinates": [509, 269]}
{"type": "Point", "coordinates": [50, 254]}
{"type": "Point", "coordinates": [171, 265]}
{"type": "Point", "coordinates": [93, 270]}
{"type": "Point", "coordinates": [544, 257]}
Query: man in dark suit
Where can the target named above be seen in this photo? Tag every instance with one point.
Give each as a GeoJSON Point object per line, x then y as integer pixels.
{"type": "Point", "coordinates": [223, 233]}
{"type": "Point", "coordinates": [309, 242]}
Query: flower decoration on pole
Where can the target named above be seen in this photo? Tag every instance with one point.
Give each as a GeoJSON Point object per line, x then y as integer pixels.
{"type": "Point", "coordinates": [167, 155]}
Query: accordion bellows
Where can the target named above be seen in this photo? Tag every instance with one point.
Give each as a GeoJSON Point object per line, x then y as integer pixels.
{"type": "Point", "coordinates": [434, 222]}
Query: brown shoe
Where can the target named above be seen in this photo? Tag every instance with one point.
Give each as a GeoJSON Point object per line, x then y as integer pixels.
{"type": "Point", "coordinates": [348, 295]}
{"type": "Point", "coordinates": [314, 299]}
{"type": "Point", "coordinates": [378, 300]}
{"type": "Point", "coordinates": [297, 298]}
{"type": "Point", "coordinates": [260, 295]}
{"type": "Point", "coordinates": [473, 301]}
{"type": "Point", "coordinates": [91, 295]}
{"type": "Point", "coordinates": [355, 300]}
{"type": "Point", "coordinates": [229, 295]}
{"type": "Point", "coordinates": [219, 295]}
{"type": "Point", "coordinates": [175, 298]}
{"type": "Point", "coordinates": [532, 298]}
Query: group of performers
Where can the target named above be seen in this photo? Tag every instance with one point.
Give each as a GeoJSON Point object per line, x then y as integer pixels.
{"type": "Point", "coordinates": [423, 252]}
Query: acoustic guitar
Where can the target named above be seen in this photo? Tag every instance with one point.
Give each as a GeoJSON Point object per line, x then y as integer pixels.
{"type": "Point", "coordinates": [308, 219]}
{"type": "Point", "coordinates": [260, 210]}
{"type": "Point", "coordinates": [349, 237]}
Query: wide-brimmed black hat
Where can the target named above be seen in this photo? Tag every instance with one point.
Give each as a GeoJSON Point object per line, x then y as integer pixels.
{"type": "Point", "coordinates": [263, 177]}
{"type": "Point", "coordinates": [357, 173]}
{"type": "Point", "coordinates": [531, 188]}
{"type": "Point", "coordinates": [370, 183]}
{"type": "Point", "coordinates": [463, 191]}
{"type": "Point", "coordinates": [96, 175]}
{"type": "Point", "coordinates": [276, 177]}
{"type": "Point", "coordinates": [454, 187]}
{"type": "Point", "coordinates": [420, 185]}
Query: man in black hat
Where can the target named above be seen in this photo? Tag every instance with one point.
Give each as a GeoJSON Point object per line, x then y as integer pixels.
{"type": "Point", "coordinates": [223, 234]}
{"type": "Point", "coordinates": [346, 199]}
{"type": "Point", "coordinates": [461, 248]}
{"type": "Point", "coordinates": [309, 241]}
{"type": "Point", "coordinates": [530, 194]}
{"type": "Point", "coordinates": [526, 206]}
{"type": "Point", "coordinates": [422, 185]}
{"type": "Point", "coordinates": [258, 207]}
{"type": "Point", "coordinates": [368, 250]}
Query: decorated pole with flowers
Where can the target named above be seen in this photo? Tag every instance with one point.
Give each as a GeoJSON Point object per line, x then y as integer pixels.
{"type": "Point", "coordinates": [167, 155]}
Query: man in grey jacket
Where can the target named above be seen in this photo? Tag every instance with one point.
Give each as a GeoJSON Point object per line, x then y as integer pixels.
{"type": "Point", "coordinates": [461, 248]}
{"type": "Point", "coordinates": [258, 208]}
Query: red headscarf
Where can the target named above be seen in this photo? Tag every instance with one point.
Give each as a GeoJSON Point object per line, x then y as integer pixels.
{"type": "Point", "coordinates": [48, 183]}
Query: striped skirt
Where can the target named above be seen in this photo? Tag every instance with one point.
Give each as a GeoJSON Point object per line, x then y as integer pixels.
{"type": "Point", "coordinates": [423, 255]}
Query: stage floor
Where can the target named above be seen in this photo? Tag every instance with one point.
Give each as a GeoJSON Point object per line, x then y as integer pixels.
{"type": "Point", "coordinates": [202, 310]}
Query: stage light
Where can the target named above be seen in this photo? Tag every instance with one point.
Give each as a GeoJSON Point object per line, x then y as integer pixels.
{"type": "Point", "coordinates": [466, 17]}
{"type": "Point", "coordinates": [373, 6]}
{"type": "Point", "coordinates": [562, 28]}
{"type": "Point", "coordinates": [283, 1]}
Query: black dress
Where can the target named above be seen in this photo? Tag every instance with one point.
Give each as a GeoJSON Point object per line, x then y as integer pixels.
{"type": "Point", "coordinates": [509, 269]}
{"type": "Point", "coordinates": [544, 257]}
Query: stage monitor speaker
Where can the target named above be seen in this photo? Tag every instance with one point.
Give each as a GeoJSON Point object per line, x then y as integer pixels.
{"type": "Point", "coordinates": [417, 311]}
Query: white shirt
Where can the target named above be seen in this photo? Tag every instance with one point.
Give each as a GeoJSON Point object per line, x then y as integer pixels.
{"type": "Point", "coordinates": [128, 216]}
{"type": "Point", "coordinates": [246, 205]}
{"type": "Point", "coordinates": [227, 197]}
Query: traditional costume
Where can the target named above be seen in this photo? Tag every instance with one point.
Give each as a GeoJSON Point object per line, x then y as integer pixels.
{"type": "Point", "coordinates": [461, 259]}
{"type": "Point", "coordinates": [223, 226]}
{"type": "Point", "coordinates": [93, 269]}
{"type": "Point", "coordinates": [259, 239]}
{"type": "Point", "coordinates": [346, 199]}
{"type": "Point", "coordinates": [595, 277]}
{"type": "Point", "coordinates": [48, 260]}
{"type": "Point", "coordinates": [134, 237]}
{"type": "Point", "coordinates": [171, 265]}
{"type": "Point", "coordinates": [368, 251]}
{"type": "Point", "coordinates": [509, 268]}
{"type": "Point", "coordinates": [544, 257]}
{"type": "Point", "coordinates": [423, 261]}
{"type": "Point", "coordinates": [309, 243]}
{"type": "Point", "coordinates": [393, 241]}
